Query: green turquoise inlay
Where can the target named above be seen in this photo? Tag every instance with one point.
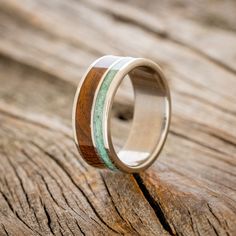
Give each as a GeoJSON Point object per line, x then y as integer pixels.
{"type": "Point", "coordinates": [98, 113]}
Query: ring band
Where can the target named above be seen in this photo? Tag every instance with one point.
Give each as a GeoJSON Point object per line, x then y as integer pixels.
{"type": "Point", "coordinates": [92, 113]}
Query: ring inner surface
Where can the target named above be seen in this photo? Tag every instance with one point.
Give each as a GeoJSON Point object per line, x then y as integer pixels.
{"type": "Point", "coordinates": [150, 116]}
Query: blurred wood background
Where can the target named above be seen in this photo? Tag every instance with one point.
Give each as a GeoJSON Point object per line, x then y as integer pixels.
{"type": "Point", "coordinates": [46, 188]}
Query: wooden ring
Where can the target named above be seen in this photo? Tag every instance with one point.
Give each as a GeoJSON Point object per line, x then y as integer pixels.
{"type": "Point", "coordinates": [92, 106]}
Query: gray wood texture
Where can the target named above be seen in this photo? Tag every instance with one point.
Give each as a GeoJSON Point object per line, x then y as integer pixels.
{"type": "Point", "coordinates": [45, 186]}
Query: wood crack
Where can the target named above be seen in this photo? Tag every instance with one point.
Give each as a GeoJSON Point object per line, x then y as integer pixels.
{"type": "Point", "coordinates": [75, 184]}
{"type": "Point", "coordinates": [113, 203]}
{"type": "Point", "coordinates": [62, 192]}
{"type": "Point", "coordinates": [5, 230]}
{"type": "Point", "coordinates": [49, 221]}
{"type": "Point", "coordinates": [230, 142]}
{"type": "Point", "coordinates": [7, 201]}
{"type": "Point", "coordinates": [25, 195]}
{"type": "Point", "coordinates": [22, 221]}
{"type": "Point", "coordinates": [224, 226]}
{"type": "Point", "coordinates": [213, 227]}
{"type": "Point", "coordinates": [192, 223]}
{"type": "Point", "coordinates": [155, 206]}
{"type": "Point", "coordinates": [82, 232]}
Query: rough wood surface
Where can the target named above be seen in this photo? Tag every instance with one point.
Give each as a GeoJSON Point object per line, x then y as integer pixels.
{"type": "Point", "coordinates": [46, 188]}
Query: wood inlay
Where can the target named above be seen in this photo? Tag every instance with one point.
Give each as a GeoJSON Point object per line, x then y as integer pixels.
{"type": "Point", "coordinates": [83, 111]}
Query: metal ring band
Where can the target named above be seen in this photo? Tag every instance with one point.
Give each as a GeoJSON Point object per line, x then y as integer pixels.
{"type": "Point", "coordinates": [92, 113]}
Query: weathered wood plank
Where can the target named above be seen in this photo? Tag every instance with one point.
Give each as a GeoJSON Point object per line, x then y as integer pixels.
{"type": "Point", "coordinates": [58, 193]}
{"type": "Point", "coordinates": [47, 189]}
{"type": "Point", "coordinates": [202, 39]}
{"type": "Point", "coordinates": [217, 13]}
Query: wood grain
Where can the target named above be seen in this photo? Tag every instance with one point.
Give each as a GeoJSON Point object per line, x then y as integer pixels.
{"type": "Point", "coordinates": [83, 117]}
{"type": "Point", "coordinates": [45, 186]}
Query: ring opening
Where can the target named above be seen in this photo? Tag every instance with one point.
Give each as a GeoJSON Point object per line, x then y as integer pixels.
{"type": "Point", "coordinates": [122, 113]}
{"type": "Point", "coordinates": [149, 118]}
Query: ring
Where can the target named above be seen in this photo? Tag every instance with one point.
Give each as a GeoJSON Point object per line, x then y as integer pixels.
{"type": "Point", "coordinates": [92, 113]}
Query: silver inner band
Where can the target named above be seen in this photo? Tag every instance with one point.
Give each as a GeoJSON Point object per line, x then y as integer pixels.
{"type": "Point", "coordinates": [150, 116]}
